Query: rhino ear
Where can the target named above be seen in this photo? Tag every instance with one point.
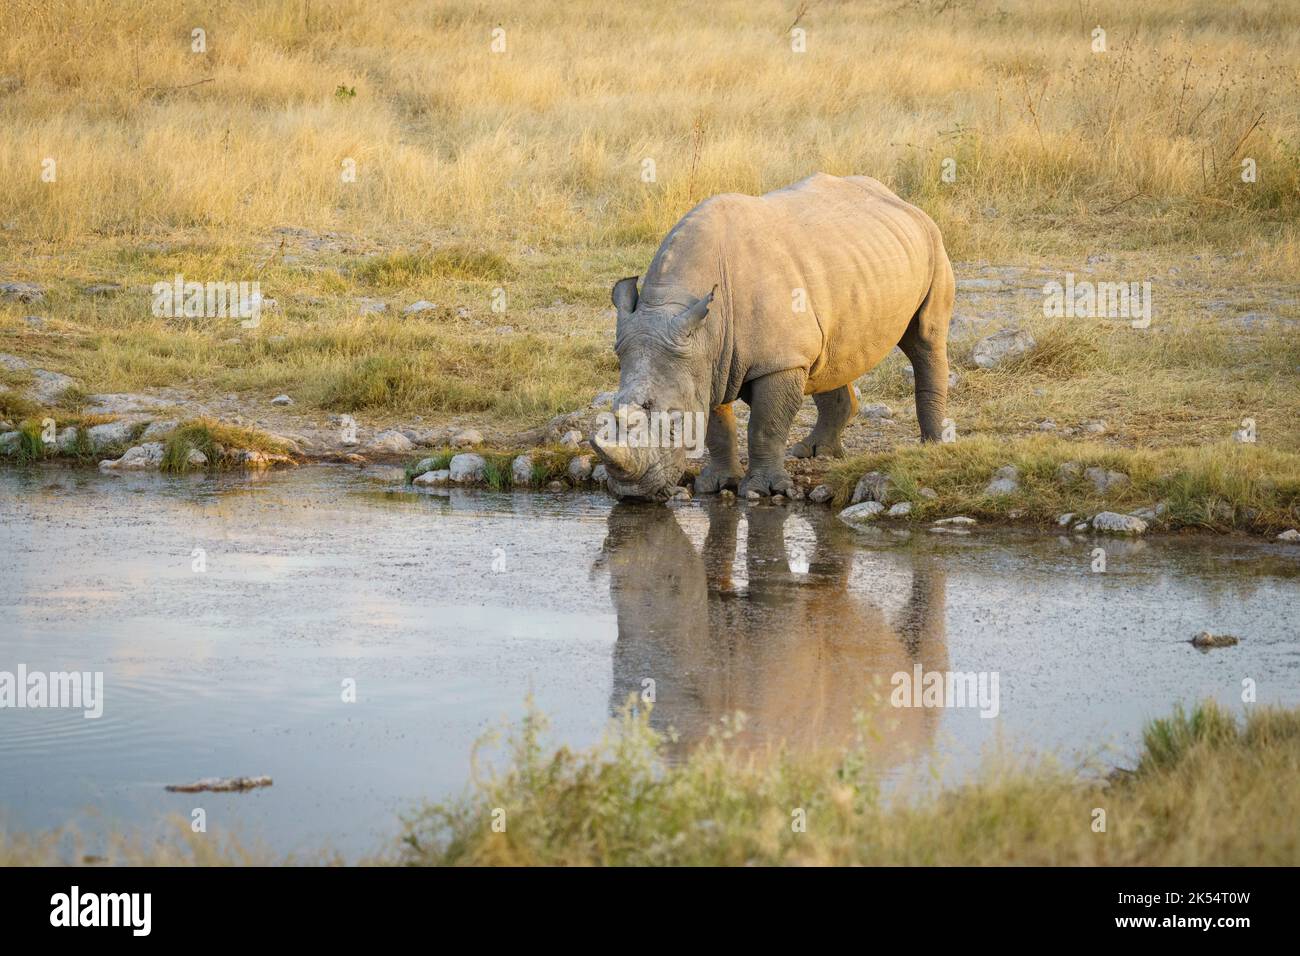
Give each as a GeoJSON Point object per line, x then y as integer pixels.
{"type": "Point", "coordinates": [692, 317]}
{"type": "Point", "coordinates": [624, 295]}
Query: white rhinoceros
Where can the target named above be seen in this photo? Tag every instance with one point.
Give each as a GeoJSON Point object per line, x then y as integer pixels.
{"type": "Point", "coordinates": [767, 299]}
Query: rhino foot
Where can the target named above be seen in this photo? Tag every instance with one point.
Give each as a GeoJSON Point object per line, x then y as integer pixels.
{"type": "Point", "coordinates": [710, 481]}
{"type": "Point", "coordinates": [766, 483]}
{"type": "Point", "coordinates": [810, 449]}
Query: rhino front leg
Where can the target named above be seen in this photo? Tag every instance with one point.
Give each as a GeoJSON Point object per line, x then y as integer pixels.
{"type": "Point", "coordinates": [723, 469]}
{"type": "Point", "coordinates": [773, 401]}
{"type": "Point", "coordinates": [835, 409]}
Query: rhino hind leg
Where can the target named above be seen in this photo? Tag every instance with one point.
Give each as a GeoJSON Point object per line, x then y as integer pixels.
{"type": "Point", "coordinates": [925, 343]}
{"type": "Point", "coordinates": [835, 409]}
{"type": "Point", "coordinates": [773, 401]}
{"type": "Point", "coordinates": [723, 469]}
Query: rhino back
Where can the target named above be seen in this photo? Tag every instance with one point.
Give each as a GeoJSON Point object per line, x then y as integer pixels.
{"type": "Point", "coordinates": [858, 258]}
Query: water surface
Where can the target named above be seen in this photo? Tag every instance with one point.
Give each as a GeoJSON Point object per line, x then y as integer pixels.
{"type": "Point", "coordinates": [230, 614]}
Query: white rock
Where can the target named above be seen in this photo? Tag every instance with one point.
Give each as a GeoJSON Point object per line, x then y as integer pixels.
{"type": "Point", "coordinates": [109, 434]}
{"type": "Point", "coordinates": [145, 457]}
{"type": "Point", "coordinates": [877, 410]}
{"type": "Point", "coordinates": [157, 430]}
{"type": "Point", "coordinates": [1068, 471]}
{"type": "Point", "coordinates": [467, 439]}
{"type": "Point", "coordinates": [1291, 535]}
{"type": "Point", "coordinates": [122, 403]}
{"type": "Point", "coordinates": [1006, 481]}
{"type": "Point", "coordinates": [1114, 523]}
{"type": "Point", "coordinates": [282, 400]}
{"type": "Point", "coordinates": [873, 486]}
{"type": "Point", "coordinates": [1000, 347]}
{"type": "Point", "coordinates": [66, 440]}
{"type": "Point", "coordinates": [521, 470]}
{"type": "Point", "coordinates": [821, 494]}
{"type": "Point", "coordinates": [21, 292]}
{"type": "Point", "coordinates": [439, 477]}
{"type": "Point", "coordinates": [391, 441]}
{"type": "Point", "coordinates": [9, 442]}
{"type": "Point", "coordinates": [1096, 427]}
{"type": "Point", "coordinates": [571, 438]}
{"type": "Point", "coordinates": [48, 387]}
{"type": "Point", "coordinates": [1065, 519]}
{"type": "Point", "coordinates": [467, 468]}
{"type": "Point", "coordinates": [928, 493]}
{"type": "Point", "coordinates": [580, 467]}
{"type": "Point", "coordinates": [863, 513]}
{"type": "Point", "coordinates": [900, 510]}
{"type": "Point", "coordinates": [599, 474]}
{"type": "Point", "coordinates": [955, 520]}
{"type": "Point", "coordinates": [978, 283]}
{"type": "Point", "coordinates": [415, 308]}
{"type": "Point", "coordinates": [1105, 481]}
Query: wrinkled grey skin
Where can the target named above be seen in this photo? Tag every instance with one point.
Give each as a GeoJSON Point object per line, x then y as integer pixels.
{"type": "Point", "coordinates": [768, 299]}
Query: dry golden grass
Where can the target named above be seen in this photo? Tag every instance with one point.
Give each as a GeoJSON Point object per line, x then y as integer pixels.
{"type": "Point", "coordinates": [524, 170]}
{"type": "Point", "coordinates": [544, 141]}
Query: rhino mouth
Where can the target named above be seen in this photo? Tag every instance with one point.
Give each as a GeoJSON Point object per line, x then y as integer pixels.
{"type": "Point", "coordinates": [638, 474]}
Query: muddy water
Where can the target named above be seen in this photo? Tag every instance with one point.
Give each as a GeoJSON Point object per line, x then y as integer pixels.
{"type": "Point", "coordinates": [230, 615]}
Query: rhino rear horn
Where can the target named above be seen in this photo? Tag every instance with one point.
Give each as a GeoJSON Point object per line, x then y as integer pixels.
{"type": "Point", "coordinates": [690, 318]}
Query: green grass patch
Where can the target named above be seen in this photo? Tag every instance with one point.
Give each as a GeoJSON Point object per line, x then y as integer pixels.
{"type": "Point", "coordinates": [1220, 487]}
{"type": "Point", "coordinates": [440, 460]}
{"type": "Point", "coordinates": [498, 471]}
{"type": "Point", "coordinates": [31, 446]}
{"type": "Point", "coordinates": [217, 441]}
{"type": "Point", "coordinates": [1207, 790]}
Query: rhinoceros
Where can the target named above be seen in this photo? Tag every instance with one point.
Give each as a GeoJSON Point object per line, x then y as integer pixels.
{"type": "Point", "coordinates": [768, 299]}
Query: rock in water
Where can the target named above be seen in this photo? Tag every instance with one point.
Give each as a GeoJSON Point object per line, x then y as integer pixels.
{"type": "Point", "coordinates": [580, 467]}
{"type": "Point", "coordinates": [145, 457]}
{"type": "Point", "coordinates": [1205, 640]}
{"type": "Point", "coordinates": [521, 470]}
{"type": "Point", "coordinates": [467, 467]}
{"type": "Point", "coordinates": [1113, 523]}
{"type": "Point", "coordinates": [220, 785]}
{"type": "Point", "coordinates": [861, 514]}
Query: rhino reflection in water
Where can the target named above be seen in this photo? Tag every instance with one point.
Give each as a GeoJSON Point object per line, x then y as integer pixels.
{"type": "Point", "coordinates": [797, 653]}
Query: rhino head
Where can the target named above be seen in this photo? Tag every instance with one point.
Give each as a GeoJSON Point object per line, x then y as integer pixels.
{"type": "Point", "coordinates": [665, 375]}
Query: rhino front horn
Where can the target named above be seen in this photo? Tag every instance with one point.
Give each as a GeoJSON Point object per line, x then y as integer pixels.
{"type": "Point", "coordinates": [617, 458]}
